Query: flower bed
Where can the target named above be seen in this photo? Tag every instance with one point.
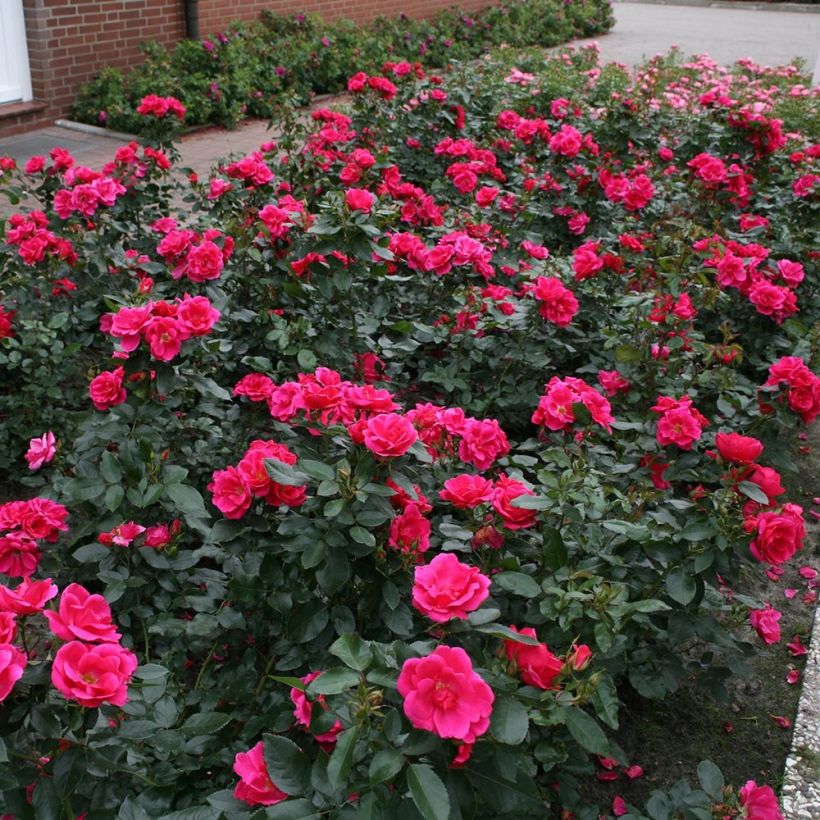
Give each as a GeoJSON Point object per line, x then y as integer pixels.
{"type": "Point", "coordinates": [249, 70]}
{"type": "Point", "coordinates": [375, 480]}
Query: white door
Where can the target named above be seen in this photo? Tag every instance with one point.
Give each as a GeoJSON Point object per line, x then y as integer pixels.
{"type": "Point", "coordinates": [15, 79]}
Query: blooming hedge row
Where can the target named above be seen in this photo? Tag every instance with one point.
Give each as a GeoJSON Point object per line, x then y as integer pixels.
{"type": "Point", "coordinates": [367, 476]}
{"type": "Point", "coordinates": [249, 70]}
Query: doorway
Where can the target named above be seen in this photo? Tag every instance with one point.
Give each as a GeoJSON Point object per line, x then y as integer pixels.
{"type": "Point", "coordinates": [15, 78]}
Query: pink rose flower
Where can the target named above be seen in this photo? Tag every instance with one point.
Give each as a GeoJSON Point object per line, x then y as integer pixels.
{"type": "Point", "coordinates": [12, 665]}
{"type": "Point", "coordinates": [40, 451]}
{"type": "Point", "coordinates": [680, 422]}
{"type": "Point", "coordinates": [165, 336]}
{"type": "Point", "coordinates": [196, 316]}
{"type": "Point", "coordinates": [204, 262]}
{"type": "Point", "coordinates": [106, 390]}
{"type": "Point", "coordinates": [779, 534]}
{"type": "Point", "coordinates": [39, 518]}
{"type": "Point", "coordinates": [482, 442]}
{"type": "Point", "coordinates": [737, 448]}
{"type": "Point", "coordinates": [410, 531]}
{"type": "Point", "coordinates": [467, 491]}
{"type": "Point", "coordinates": [613, 382]}
{"type": "Point", "coordinates": [579, 657]}
{"type": "Point", "coordinates": [446, 588]}
{"type": "Point", "coordinates": [768, 479]}
{"type": "Point", "coordinates": [28, 597]}
{"type": "Point", "coordinates": [359, 199]}
{"type": "Point", "coordinates": [765, 623]}
{"type": "Point", "coordinates": [442, 694]}
{"type": "Point", "coordinates": [389, 435]}
{"type": "Point", "coordinates": [255, 786]}
{"type": "Point", "coordinates": [303, 712]}
{"type": "Point", "coordinates": [82, 615]}
{"type": "Point", "coordinates": [505, 491]}
{"type": "Point", "coordinates": [19, 555]}
{"type": "Point", "coordinates": [759, 802]}
{"type": "Point", "coordinates": [157, 536]}
{"type": "Point", "coordinates": [231, 493]}
{"type": "Point", "coordinates": [8, 627]}
{"type": "Point", "coordinates": [256, 386]}
{"type": "Point", "coordinates": [558, 303]}
{"type": "Point", "coordinates": [537, 666]}
{"type": "Point", "coordinates": [93, 674]}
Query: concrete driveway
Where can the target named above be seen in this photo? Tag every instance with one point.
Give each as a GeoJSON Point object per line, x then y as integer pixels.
{"type": "Point", "coordinates": [726, 32]}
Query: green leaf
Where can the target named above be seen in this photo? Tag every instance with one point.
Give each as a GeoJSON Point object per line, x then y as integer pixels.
{"type": "Point", "coordinates": [518, 583]}
{"type": "Point", "coordinates": [138, 729]}
{"type": "Point", "coordinates": [428, 792]}
{"type": "Point", "coordinates": [681, 585]}
{"type": "Point", "coordinates": [333, 507]}
{"type": "Point", "coordinates": [341, 760]}
{"type": "Point", "coordinates": [625, 354]}
{"type": "Point", "coordinates": [110, 467]}
{"type": "Point", "coordinates": [351, 650]}
{"type": "Point", "coordinates": [711, 779]}
{"type": "Point", "coordinates": [307, 359]}
{"type": "Point", "coordinates": [4, 755]}
{"type": "Point", "coordinates": [361, 536]}
{"type": "Point", "coordinates": [509, 722]}
{"type": "Point", "coordinates": [193, 813]}
{"type": "Point", "coordinates": [283, 473]}
{"type": "Point", "coordinates": [113, 497]}
{"type": "Point", "coordinates": [69, 769]}
{"type": "Point", "coordinates": [150, 672]}
{"type": "Point", "coordinates": [187, 500]}
{"type": "Point", "coordinates": [647, 606]}
{"type": "Point", "coordinates": [317, 469]}
{"type": "Point", "coordinates": [46, 801]}
{"type": "Point", "coordinates": [753, 491]}
{"type": "Point", "coordinates": [532, 502]}
{"type": "Point", "coordinates": [208, 388]}
{"type": "Point", "coordinates": [333, 681]}
{"type": "Point", "coordinates": [292, 810]}
{"type": "Point", "coordinates": [555, 550]}
{"type": "Point", "coordinates": [205, 723]}
{"type": "Point", "coordinates": [90, 552]}
{"type": "Point", "coordinates": [84, 489]}
{"type": "Point", "coordinates": [505, 633]}
{"type": "Point", "coordinates": [698, 531]}
{"type": "Point", "coordinates": [605, 701]}
{"type": "Point", "coordinates": [420, 452]}
{"type": "Point", "coordinates": [385, 765]}
{"type": "Point", "coordinates": [586, 731]}
{"type": "Point", "coordinates": [288, 766]}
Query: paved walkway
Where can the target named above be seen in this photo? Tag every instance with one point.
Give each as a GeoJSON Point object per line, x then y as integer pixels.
{"type": "Point", "coordinates": [641, 30]}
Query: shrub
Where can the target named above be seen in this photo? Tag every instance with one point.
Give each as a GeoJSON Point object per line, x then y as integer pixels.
{"type": "Point", "coordinates": [402, 454]}
{"type": "Point", "coordinates": [246, 70]}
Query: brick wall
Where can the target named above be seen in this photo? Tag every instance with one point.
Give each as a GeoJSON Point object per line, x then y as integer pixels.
{"type": "Point", "coordinates": [70, 40]}
{"type": "Point", "coordinates": [216, 14]}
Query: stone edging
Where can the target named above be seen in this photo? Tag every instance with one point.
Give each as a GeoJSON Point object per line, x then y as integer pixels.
{"type": "Point", "coordinates": [801, 779]}
{"type": "Point", "coordinates": [736, 5]}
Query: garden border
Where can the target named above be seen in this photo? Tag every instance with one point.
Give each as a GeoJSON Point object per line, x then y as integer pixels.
{"type": "Point", "coordinates": [801, 788]}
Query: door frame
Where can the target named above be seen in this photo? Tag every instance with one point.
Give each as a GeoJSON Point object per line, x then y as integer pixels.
{"type": "Point", "coordinates": [15, 42]}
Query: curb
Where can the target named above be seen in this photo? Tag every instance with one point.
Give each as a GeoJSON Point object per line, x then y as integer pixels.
{"type": "Point", "coordinates": [95, 131]}
{"type": "Point", "coordinates": [734, 5]}
{"type": "Point", "coordinates": [801, 779]}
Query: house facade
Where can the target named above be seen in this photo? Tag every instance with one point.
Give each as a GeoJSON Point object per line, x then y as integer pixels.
{"type": "Point", "coordinates": [49, 48]}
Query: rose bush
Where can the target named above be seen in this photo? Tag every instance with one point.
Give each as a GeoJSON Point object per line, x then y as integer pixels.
{"type": "Point", "coordinates": [381, 505]}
